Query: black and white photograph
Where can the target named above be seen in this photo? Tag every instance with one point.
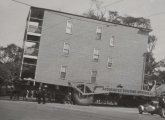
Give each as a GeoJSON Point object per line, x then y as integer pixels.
{"type": "Point", "coordinates": [82, 60]}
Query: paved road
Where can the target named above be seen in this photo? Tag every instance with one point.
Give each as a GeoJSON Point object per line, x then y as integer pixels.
{"type": "Point", "coordinates": [20, 110]}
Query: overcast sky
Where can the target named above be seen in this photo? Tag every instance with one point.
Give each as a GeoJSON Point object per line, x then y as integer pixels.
{"type": "Point", "coordinates": [13, 16]}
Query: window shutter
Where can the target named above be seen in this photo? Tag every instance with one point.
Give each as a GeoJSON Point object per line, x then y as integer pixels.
{"type": "Point", "coordinates": [69, 27]}
{"type": "Point", "coordinates": [112, 41]}
{"type": "Point", "coordinates": [66, 48]}
{"type": "Point", "coordinates": [109, 63]}
{"type": "Point", "coordinates": [95, 54]}
{"type": "Point", "coordinates": [98, 33]}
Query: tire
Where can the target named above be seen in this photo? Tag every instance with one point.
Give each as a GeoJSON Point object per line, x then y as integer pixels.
{"type": "Point", "coordinates": [140, 109]}
{"type": "Point", "coordinates": [82, 99]}
{"type": "Point", "coordinates": [152, 113]}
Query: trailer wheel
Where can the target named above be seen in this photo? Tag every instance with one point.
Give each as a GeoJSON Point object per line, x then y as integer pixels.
{"type": "Point", "coordinates": [82, 99]}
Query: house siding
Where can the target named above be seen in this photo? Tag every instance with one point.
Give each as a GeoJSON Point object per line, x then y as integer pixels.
{"type": "Point", "coordinates": [127, 53]}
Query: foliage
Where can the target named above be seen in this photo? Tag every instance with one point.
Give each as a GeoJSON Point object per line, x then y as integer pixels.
{"type": "Point", "coordinates": [91, 14]}
{"type": "Point", "coordinates": [137, 22]}
{"type": "Point", "coordinates": [150, 60]}
{"type": "Point", "coordinates": [114, 17]}
{"type": "Point", "coordinates": [4, 74]}
{"type": "Point", "coordinates": [11, 53]}
{"type": "Point", "coordinates": [10, 61]}
{"type": "Point", "coordinates": [160, 72]}
{"type": "Point", "coordinates": [97, 12]}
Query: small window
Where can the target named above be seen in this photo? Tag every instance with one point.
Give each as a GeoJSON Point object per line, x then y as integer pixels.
{"type": "Point", "coordinates": [63, 72]}
{"type": "Point", "coordinates": [112, 39]}
{"type": "Point", "coordinates": [98, 33]}
{"type": "Point", "coordinates": [66, 48]}
{"type": "Point", "coordinates": [109, 63]}
{"type": "Point", "coordinates": [96, 54]}
{"type": "Point", "coordinates": [69, 27]}
{"type": "Point", "coordinates": [93, 76]}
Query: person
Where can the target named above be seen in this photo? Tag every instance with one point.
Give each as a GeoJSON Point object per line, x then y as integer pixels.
{"type": "Point", "coordinates": [162, 105]}
{"type": "Point", "coordinates": [41, 96]}
{"type": "Point", "coordinates": [27, 94]}
{"type": "Point", "coordinates": [24, 95]}
{"type": "Point", "coordinates": [11, 93]}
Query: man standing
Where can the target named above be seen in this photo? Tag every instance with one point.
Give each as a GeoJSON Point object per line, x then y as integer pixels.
{"type": "Point", "coordinates": [162, 106]}
{"type": "Point", "coordinates": [43, 96]}
{"type": "Point", "coordinates": [39, 95]}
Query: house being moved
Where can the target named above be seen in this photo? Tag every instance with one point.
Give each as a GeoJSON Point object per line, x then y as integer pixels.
{"type": "Point", "coordinates": [91, 56]}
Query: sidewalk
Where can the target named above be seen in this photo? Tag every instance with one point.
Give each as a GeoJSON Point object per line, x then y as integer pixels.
{"type": "Point", "coordinates": [20, 99]}
{"type": "Point", "coordinates": [4, 97]}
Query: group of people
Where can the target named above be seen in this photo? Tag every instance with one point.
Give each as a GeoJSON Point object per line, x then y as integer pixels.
{"type": "Point", "coordinates": [39, 95]}
{"type": "Point", "coordinates": [29, 94]}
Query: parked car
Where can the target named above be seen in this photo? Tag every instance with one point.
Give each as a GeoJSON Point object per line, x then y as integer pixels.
{"type": "Point", "coordinates": [152, 108]}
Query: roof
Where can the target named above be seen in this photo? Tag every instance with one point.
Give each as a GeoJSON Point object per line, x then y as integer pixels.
{"type": "Point", "coordinates": [144, 29]}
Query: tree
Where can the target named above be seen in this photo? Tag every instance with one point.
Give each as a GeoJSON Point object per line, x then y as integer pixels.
{"type": "Point", "coordinates": [95, 11]}
{"type": "Point", "coordinates": [137, 22]}
{"type": "Point", "coordinates": [160, 72]}
{"type": "Point", "coordinates": [11, 53]}
{"type": "Point", "coordinates": [150, 63]}
{"type": "Point", "coordinates": [10, 59]}
{"type": "Point", "coordinates": [4, 76]}
{"type": "Point", "coordinates": [150, 60]}
{"type": "Point", "coordinates": [114, 17]}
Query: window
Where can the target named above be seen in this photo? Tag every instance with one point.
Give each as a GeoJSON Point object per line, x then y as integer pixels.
{"type": "Point", "coordinates": [63, 72]}
{"type": "Point", "coordinates": [112, 41]}
{"type": "Point", "coordinates": [66, 48]}
{"type": "Point", "coordinates": [98, 33]}
{"type": "Point", "coordinates": [109, 63]}
{"type": "Point", "coordinates": [96, 54]}
{"type": "Point", "coordinates": [69, 27]}
{"type": "Point", "coordinates": [31, 48]}
{"type": "Point", "coordinates": [28, 71]}
{"type": "Point", "coordinates": [93, 76]}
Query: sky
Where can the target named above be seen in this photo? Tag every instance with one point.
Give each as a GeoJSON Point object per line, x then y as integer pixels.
{"type": "Point", "coordinates": [13, 16]}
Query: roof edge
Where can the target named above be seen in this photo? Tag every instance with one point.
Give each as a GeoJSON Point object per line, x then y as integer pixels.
{"type": "Point", "coordinates": [140, 28]}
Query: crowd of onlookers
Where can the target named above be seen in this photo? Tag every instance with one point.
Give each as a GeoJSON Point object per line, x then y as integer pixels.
{"type": "Point", "coordinates": [41, 95]}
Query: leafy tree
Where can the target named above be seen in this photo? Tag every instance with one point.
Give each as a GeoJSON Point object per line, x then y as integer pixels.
{"type": "Point", "coordinates": [96, 12]}
{"type": "Point", "coordinates": [4, 76]}
{"type": "Point", "coordinates": [114, 17]}
{"type": "Point", "coordinates": [160, 72]}
{"type": "Point", "coordinates": [10, 59]}
{"type": "Point", "coordinates": [11, 53]}
{"type": "Point", "coordinates": [150, 60]}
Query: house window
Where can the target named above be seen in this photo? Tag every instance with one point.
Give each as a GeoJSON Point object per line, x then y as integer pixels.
{"type": "Point", "coordinates": [112, 39]}
{"type": "Point", "coordinates": [96, 54]}
{"type": "Point", "coordinates": [93, 76]}
{"type": "Point", "coordinates": [63, 72]}
{"type": "Point", "coordinates": [69, 27]}
{"type": "Point", "coordinates": [66, 48]}
{"type": "Point", "coordinates": [98, 33]}
{"type": "Point", "coordinates": [109, 63]}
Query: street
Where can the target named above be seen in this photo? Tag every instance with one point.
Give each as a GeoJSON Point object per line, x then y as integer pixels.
{"type": "Point", "coordinates": [21, 110]}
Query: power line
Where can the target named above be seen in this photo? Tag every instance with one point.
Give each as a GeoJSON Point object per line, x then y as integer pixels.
{"type": "Point", "coordinates": [156, 14]}
{"type": "Point", "coordinates": [116, 2]}
{"type": "Point", "coordinates": [21, 3]}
